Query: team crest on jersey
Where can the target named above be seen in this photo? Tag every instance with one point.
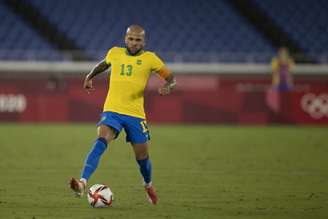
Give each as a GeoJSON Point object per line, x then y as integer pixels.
{"type": "Point", "coordinates": [139, 62]}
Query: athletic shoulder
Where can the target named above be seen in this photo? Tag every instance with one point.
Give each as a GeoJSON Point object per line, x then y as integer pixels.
{"type": "Point", "coordinates": [274, 59]}
{"type": "Point", "coordinates": [153, 56]}
{"type": "Point", "coordinates": [155, 60]}
{"type": "Point", "coordinates": [151, 53]}
{"type": "Point", "coordinates": [112, 52]}
{"type": "Point", "coordinates": [116, 49]}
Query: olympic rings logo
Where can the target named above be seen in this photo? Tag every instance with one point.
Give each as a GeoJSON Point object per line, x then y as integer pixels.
{"type": "Point", "coordinates": [315, 106]}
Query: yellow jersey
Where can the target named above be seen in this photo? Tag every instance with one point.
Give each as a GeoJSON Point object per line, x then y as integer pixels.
{"type": "Point", "coordinates": [281, 70]}
{"type": "Point", "coordinates": [128, 79]}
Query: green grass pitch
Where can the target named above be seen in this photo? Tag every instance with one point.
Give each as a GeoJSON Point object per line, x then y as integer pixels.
{"type": "Point", "coordinates": [199, 172]}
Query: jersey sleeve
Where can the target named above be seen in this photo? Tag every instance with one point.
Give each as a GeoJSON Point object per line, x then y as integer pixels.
{"type": "Point", "coordinates": [157, 63]}
{"type": "Point", "coordinates": [274, 64]}
{"type": "Point", "coordinates": [109, 55]}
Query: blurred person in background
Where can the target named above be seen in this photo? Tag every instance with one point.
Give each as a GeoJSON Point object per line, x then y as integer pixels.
{"type": "Point", "coordinates": [282, 67]}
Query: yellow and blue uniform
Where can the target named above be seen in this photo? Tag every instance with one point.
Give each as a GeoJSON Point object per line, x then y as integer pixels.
{"type": "Point", "coordinates": [128, 79]}
{"type": "Point", "coordinates": [124, 105]}
{"type": "Point", "coordinates": [281, 73]}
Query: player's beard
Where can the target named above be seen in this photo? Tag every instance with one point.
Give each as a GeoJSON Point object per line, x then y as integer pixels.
{"type": "Point", "coordinates": [133, 53]}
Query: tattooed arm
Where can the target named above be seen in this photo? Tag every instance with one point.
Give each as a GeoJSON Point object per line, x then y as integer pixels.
{"type": "Point", "coordinates": [99, 68]}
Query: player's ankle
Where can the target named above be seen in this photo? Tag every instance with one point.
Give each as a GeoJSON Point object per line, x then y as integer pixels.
{"type": "Point", "coordinates": [148, 185]}
{"type": "Point", "coordinates": [84, 181]}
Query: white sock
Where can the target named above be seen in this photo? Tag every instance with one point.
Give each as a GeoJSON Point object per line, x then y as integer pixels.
{"type": "Point", "coordinates": [84, 181]}
{"type": "Point", "coordinates": [147, 185]}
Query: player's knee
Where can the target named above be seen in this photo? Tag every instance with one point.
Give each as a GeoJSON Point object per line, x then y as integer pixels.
{"type": "Point", "coordinates": [106, 133]}
{"type": "Point", "coordinates": [141, 152]}
{"type": "Point", "coordinates": [141, 156]}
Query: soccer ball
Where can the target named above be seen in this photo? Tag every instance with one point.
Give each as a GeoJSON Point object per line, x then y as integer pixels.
{"type": "Point", "coordinates": [100, 196]}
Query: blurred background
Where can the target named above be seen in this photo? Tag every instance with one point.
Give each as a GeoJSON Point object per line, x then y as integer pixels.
{"type": "Point", "coordinates": [236, 62]}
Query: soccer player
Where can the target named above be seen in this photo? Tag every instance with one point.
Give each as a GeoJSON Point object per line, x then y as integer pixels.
{"type": "Point", "coordinates": [124, 106]}
{"type": "Point", "coordinates": [282, 66]}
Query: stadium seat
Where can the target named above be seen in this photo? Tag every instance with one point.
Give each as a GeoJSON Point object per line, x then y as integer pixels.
{"type": "Point", "coordinates": [184, 30]}
{"type": "Point", "coordinates": [16, 37]}
{"type": "Point", "coordinates": [173, 26]}
{"type": "Point", "coordinates": [305, 21]}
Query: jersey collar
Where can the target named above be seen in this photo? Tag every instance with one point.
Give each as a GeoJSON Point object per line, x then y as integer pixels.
{"type": "Point", "coordinates": [137, 54]}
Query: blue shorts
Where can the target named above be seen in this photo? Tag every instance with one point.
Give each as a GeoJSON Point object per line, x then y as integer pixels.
{"type": "Point", "coordinates": [283, 87]}
{"type": "Point", "coordinates": [135, 128]}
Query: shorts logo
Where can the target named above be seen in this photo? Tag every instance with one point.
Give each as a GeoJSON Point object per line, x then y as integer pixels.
{"type": "Point", "coordinates": [315, 106]}
{"type": "Point", "coordinates": [139, 62]}
{"type": "Point", "coordinates": [103, 119]}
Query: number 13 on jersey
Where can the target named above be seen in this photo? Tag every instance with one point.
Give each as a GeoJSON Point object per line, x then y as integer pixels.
{"type": "Point", "coordinates": [126, 70]}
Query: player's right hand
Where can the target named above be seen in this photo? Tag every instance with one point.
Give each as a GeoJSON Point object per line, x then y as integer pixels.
{"type": "Point", "coordinates": [87, 85]}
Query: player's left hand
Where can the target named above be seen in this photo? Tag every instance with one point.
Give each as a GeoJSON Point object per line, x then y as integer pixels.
{"type": "Point", "coordinates": [87, 84]}
{"type": "Point", "coordinates": [164, 90]}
